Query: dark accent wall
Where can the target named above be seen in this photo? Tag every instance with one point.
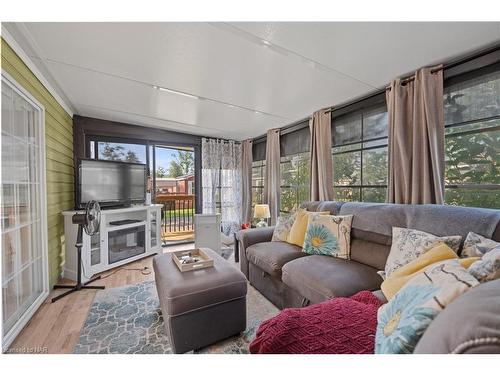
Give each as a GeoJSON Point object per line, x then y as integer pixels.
{"type": "Point", "coordinates": [87, 128]}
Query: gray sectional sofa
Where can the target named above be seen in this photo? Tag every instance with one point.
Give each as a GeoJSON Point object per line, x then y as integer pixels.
{"type": "Point", "coordinates": [290, 278]}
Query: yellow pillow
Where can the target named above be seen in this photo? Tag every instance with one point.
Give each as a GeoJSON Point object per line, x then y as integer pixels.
{"type": "Point", "coordinates": [402, 275]}
{"type": "Point", "coordinates": [298, 230]}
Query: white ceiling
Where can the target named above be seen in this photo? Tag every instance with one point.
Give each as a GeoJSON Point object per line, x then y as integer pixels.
{"type": "Point", "coordinates": [233, 80]}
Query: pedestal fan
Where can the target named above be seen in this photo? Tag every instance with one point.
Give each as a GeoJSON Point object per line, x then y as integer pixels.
{"type": "Point", "coordinates": [88, 221]}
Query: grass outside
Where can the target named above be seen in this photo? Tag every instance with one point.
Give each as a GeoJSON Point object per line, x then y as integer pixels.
{"type": "Point", "coordinates": [185, 212]}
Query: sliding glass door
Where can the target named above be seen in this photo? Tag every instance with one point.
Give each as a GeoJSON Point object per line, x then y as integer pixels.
{"type": "Point", "coordinates": [174, 188]}
{"type": "Point", "coordinates": [172, 179]}
{"type": "Point", "coordinates": [24, 247]}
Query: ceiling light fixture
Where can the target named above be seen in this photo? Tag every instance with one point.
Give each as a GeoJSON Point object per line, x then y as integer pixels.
{"type": "Point", "coordinates": [176, 92]}
{"type": "Point", "coordinates": [265, 42]}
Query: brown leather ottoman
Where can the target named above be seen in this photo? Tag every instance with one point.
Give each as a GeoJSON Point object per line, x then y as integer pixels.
{"type": "Point", "coordinates": [203, 306]}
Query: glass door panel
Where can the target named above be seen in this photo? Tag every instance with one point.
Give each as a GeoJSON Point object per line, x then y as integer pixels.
{"type": "Point", "coordinates": [23, 263]}
{"type": "Point", "coordinates": [174, 188]}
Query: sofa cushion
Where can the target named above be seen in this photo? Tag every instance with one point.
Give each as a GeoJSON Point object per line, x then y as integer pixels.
{"type": "Point", "coordinates": [271, 256]}
{"type": "Point", "coordinates": [370, 253]}
{"type": "Point", "coordinates": [332, 206]}
{"type": "Point", "coordinates": [320, 277]}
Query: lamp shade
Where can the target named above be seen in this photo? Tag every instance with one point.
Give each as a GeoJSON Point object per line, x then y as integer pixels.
{"type": "Point", "coordinates": [261, 211]}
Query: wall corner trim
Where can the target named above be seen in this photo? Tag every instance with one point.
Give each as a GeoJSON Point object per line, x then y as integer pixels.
{"type": "Point", "coordinates": [7, 36]}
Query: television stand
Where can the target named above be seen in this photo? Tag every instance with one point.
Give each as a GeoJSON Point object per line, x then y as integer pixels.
{"type": "Point", "coordinates": [125, 235]}
{"type": "Point", "coordinates": [123, 222]}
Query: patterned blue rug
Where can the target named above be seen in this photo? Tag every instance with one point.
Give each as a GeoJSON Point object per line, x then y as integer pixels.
{"type": "Point", "coordinates": [128, 320]}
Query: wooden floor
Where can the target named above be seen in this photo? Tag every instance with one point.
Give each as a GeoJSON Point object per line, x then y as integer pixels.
{"type": "Point", "coordinates": [55, 327]}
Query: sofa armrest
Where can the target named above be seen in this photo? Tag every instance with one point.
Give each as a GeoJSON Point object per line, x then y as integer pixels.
{"type": "Point", "coordinates": [249, 237]}
{"type": "Point", "coordinates": [477, 313]}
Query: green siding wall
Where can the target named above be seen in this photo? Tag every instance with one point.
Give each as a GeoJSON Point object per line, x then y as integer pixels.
{"type": "Point", "coordinates": [58, 152]}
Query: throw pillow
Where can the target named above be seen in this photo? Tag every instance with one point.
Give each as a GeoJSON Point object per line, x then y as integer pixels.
{"type": "Point", "coordinates": [403, 320]}
{"type": "Point", "coordinates": [488, 267]}
{"type": "Point", "coordinates": [477, 245]}
{"type": "Point", "coordinates": [299, 226]}
{"type": "Point", "coordinates": [408, 244]}
{"type": "Point", "coordinates": [328, 235]}
{"type": "Point", "coordinates": [402, 275]}
{"type": "Point", "coordinates": [283, 227]}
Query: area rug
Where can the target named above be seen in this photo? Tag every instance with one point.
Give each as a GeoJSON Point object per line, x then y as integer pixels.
{"type": "Point", "coordinates": [128, 320]}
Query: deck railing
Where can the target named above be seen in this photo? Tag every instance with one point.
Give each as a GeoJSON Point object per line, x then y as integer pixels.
{"type": "Point", "coordinates": [177, 216]}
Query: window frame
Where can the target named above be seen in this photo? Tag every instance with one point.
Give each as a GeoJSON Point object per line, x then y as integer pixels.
{"type": "Point", "coordinates": [361, 109]}
{"type": "Point", "coordinates": [295, 187]}
{"type": "Point", "coordinates": [463, 78]}
{"type": "Point", "coordinates": [262, 168]}
{"type": "Point", "coordinates": [107, 139]}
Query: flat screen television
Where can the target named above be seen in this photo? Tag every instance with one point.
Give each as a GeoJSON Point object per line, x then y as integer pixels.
{"type": "Point", "coordinates": [111, 183]}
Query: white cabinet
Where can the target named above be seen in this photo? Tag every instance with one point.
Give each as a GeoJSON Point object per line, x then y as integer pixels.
{"type": "Point", "coordinates": [125, 235]}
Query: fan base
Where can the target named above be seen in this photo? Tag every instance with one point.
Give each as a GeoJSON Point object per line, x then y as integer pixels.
{"type": "Point", "coordinates": [77, 287]}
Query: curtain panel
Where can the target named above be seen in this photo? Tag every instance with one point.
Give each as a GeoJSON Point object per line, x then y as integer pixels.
{"type": "Point", "coordinates": [221, 181]}
{"type": "Point", "coordinates": [416, 139]}
{"type": "Point", "coordinates": [246, 180]}
{"type": "Point", "coordinates": [321, 171]}
{"type": "Point", "coordinates": [272, 183]}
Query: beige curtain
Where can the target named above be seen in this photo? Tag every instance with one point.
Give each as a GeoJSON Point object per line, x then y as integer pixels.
{"type": "Point", "coordinates": [416, 139]}
{"type": "Point", "coordinates": [246, 180]}
{"type": "Point", "coordinates": [272, 182]}
{"type": "Point", "coordinates": [321, 173]}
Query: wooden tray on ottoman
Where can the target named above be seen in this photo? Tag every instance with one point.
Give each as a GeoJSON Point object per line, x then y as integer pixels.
{"type": "Point", "coordinates": [204, 260]}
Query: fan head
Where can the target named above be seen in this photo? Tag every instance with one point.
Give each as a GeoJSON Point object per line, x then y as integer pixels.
{"type": "Point", "coordinates": [92, 218]}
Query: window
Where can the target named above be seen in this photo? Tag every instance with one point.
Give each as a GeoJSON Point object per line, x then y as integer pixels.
{"type": "Point", "coordinates": [294, 185]}
{"type": "Point", "coordinates": [128, 152]}
{"type": "Point", "coordinates": [472, 141]}
{"type": "Point", "coordinates": [24, 246]}
{"type": "Point", "coordinates": [258, 178]}
{"type": "Point", "coordinates": [360, 155]}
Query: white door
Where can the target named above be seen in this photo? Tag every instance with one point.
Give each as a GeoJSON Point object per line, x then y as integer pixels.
{"type": "Point", "coordinates": [23, 212]}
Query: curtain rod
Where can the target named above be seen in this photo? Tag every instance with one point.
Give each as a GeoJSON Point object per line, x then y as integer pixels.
{"type": "Point", "coordinates": [403, 82]}
{"type": "Point", "coordinates": [450, 65]}
{"type": "Point", "coordinates": [453, 64]}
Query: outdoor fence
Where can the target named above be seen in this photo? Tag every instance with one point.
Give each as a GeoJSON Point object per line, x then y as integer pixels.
{"type": "Point", "coordinates": [177, 216]}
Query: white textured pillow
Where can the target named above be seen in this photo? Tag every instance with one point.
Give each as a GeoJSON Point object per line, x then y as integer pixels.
{"type": "Point", "coordinates": [283, 227]}
{"type": "Point", "coordinates": [476, 245]}
{"type": "Point", "coordinates": [409, 244]}
{"type": "Point", "coordinates": [488, 267]}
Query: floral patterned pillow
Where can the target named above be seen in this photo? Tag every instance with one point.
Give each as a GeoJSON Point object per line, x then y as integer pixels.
{"type": "Point", "coordinates": [409, 244]}
{"type": "Point", "coordinates": [403, 320]}
{"type": "Point", "coordinates": [488, 267]}
{"type": "Point", "coordinates": [328, 235]}
{"type": "Point", "coordinates": [476, 245]}
{"type": "Point", "coordinates": [283, 227]}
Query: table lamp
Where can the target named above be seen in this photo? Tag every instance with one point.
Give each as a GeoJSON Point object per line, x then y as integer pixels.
{"type": "Point", "coordinates": [261, 211]}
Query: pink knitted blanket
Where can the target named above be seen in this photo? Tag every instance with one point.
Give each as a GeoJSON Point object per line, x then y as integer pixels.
{"type": "Point", "coordinates": [337, 326]}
